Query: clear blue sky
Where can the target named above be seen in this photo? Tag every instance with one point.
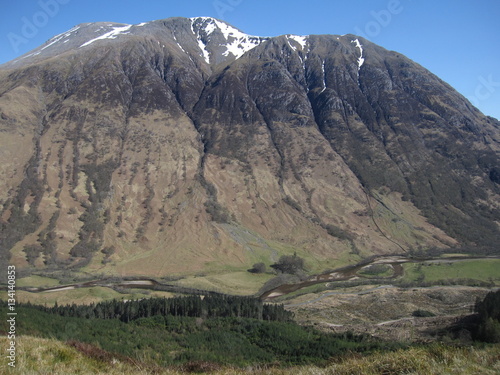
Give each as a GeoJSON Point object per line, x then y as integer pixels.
{"type": "Point", "coordinates": [458, 40]}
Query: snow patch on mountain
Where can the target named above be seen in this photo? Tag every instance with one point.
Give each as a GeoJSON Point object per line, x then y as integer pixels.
{"type": "Point", "coordinates": [178, 44]}
{"type": "Point", "coordinates": [324, 77]}
{"type": "Point", "coordinates": [236, 42]}
{"type": "Point", "coordinates": [51, 42]}
{"type": "Point", "coordinates": [110, 35]}
{"type": "Point", "coordinates": [361, 59]}
{"type": "Point", "coordinates": [201, 44]}
{"type": "Point", "coordinates": [60, 37]}
{"type": "Point", "coordinates": [302, 40]}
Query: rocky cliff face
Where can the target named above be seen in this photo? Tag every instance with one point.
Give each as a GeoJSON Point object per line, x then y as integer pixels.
{"type": "Point", "coordinates": [185, 145]}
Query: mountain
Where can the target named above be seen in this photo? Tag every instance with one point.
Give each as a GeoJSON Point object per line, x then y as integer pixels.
{"type": "Point", "coordinates": [182, 146]}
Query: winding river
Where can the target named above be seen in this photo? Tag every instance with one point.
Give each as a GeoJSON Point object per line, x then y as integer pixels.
{"type": "Point", "coordinates": [353, 272]}
{"type": "Point", "coordinates": [342, 274]}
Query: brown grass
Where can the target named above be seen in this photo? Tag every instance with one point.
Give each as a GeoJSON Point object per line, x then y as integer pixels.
{"type": "Point", "coordinates": [47, 356]}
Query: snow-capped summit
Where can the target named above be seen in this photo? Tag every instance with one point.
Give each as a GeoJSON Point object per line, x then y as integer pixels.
{"type": "Point", "coordinates": [78, 37]}
{"type": "Point", "coordinates": [217, 36]}
{"type": "Point", "coordinates": [213, 40]}
{"type": "Point", "coordinates": [205, 40]}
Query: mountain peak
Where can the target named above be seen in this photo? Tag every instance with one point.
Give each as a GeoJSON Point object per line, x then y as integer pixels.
{"type": "Point", "coordinates": [149, 148]}
{"type": "Point", "coordinates": [216, 40]}
{"type": "Point", "coordinates": [212, 34]}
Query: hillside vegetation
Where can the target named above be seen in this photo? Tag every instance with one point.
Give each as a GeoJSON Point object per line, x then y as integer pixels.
{"type": "Point", "coordinates": [227, 333]}
{"type": "Point", "coordinates": [231, 331]}
{"type": "Point", "coordinates": [49, 356]}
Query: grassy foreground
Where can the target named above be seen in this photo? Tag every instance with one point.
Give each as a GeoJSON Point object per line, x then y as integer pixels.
{"type": "Point", "coordinates": [48, 356]}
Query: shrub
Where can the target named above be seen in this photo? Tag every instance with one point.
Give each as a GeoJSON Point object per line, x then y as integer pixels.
{"type": "Point", "coordinates": [422, 314]}
{"type": "Point", "coordinates": [218, 213]}
{"type": "Point", "coordinates": [291, 264]}
{"type": "Point", "coordinates": [258, 268]}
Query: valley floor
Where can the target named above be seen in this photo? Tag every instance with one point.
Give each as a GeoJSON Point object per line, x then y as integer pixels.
{"type": "Point", "coordinates": [399, 312]}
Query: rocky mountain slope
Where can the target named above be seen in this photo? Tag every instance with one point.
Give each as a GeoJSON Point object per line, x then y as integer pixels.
{"type": "Point", "coordinates": [184, 145]}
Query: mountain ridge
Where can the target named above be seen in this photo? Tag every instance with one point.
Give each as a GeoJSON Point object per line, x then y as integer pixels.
{"type": "Point", "coordinates": [153, 156]}
{"type": "Point", "coordinates": [203, 28]}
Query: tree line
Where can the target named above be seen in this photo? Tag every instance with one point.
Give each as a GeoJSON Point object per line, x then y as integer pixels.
{"type": "Point", "coordinates": [208, 306]}
{"type": "Point", "coordinates": [488, 311]}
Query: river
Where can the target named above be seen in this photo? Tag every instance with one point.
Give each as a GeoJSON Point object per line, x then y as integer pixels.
{"type": "Point", "coordinates": [352, 272]}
